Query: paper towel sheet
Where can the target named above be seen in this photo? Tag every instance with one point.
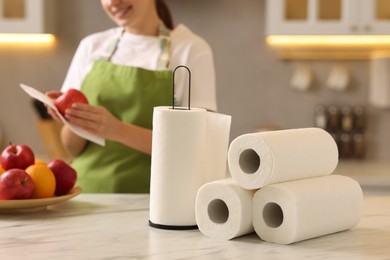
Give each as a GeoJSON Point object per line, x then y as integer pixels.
{"type": "Point", "coordinates": [224, 209]}
{"type": "Point", "coordinates": [257, 159]}
{"type": "Point", "coordinates": [289, 212]}
{"type": "Point", "coordinates": [183, 142]}
{"type": "Point", "coordinates": [217, 144]}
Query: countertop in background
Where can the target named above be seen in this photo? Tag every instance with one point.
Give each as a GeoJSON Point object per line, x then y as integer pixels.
{"type": "Point", "coordinates": [373, 176]}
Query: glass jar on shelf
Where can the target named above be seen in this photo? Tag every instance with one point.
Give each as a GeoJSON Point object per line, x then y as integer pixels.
{"type": "Point", "coordinates": [333, 123]}
{"type": "Point", "coordinates": [360, 119]}
{"type": "Point", "coordinates": [358, 145]}
{"type": "Point", "coordinates": [346, 148]}
{"type": "Point", "coordinates": [346, 119]}
{"type": "Point", "coordinates": [320, 116]}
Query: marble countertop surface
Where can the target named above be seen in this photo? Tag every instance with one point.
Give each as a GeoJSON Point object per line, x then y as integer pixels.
{"type": "Point", "coordinates": [115, 226]}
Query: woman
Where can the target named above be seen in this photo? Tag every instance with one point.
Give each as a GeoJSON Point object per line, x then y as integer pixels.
{"type": "Point", "coordinates": [125, 72]}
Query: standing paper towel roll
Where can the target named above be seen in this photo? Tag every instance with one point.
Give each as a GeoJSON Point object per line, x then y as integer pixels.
{"type": "Point", "coordinates": [224, 209]}
{"type": "Point", "coordinates": [289, 212]}
{"type": "Point", "coordinates": [182, 142]}
{"type": "Point", "coordinates": [258, 159]}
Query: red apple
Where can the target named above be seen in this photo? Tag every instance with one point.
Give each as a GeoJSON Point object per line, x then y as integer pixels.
{"type": "Point", "coordinates": [65, 100]}
{"type": "Point", "coordinates": [16, 184]}
{"type": "Point", "coordinates": [17, 156]}
{"type": "Point", "coordinates": [65, 176]}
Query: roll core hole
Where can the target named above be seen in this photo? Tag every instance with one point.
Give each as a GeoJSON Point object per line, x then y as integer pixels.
{"type": "Point", "coordinates": [218, 211]}
{"type": "Point", "coordinates": [249, 161]}
{"type": "Point", "coordinates": [273, 215]}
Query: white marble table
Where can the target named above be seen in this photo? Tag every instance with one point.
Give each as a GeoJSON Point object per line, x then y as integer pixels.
{"type": "Point", "coordinates": [116, 227]}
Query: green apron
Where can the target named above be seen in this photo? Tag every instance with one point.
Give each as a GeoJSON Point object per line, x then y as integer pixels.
{"type": "Point", "coordinates": [130, 94]}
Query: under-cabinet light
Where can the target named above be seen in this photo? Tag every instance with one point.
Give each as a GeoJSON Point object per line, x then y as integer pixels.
{"type": "Point", "coordinates": [326, 41]}
{"type": "Point", "coordinates": [26, 38]}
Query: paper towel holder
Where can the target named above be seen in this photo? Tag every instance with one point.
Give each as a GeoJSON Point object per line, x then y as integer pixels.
{"type": "Point", "coordinates": [189, 87]}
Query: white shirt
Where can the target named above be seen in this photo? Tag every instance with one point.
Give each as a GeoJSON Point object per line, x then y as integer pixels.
{"type": "Point", "coordinates": [143, 51]}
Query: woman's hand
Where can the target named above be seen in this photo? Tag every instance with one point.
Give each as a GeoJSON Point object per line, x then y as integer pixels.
{"type": "Point", "coordinates": [99, 121]}
{"type": "Point", "coordinates": [73, 143]}
{"type": "Point", "coordinates": [53, 95]}
{"type": "Point", "coordinates": [95, 119]}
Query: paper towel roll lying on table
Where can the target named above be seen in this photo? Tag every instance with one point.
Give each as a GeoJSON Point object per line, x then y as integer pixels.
{"type": "Point", "coordinates": [289, 212]}
{"type": "Point", "coordinates": [262, 158]}
{"type": "Point", "coordinates": [224, 209]}
{"type": "Point", "coordinates": [183, 141]}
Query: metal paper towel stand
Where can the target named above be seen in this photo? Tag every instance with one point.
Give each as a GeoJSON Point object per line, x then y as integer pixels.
{"type": "Point", "coordinates": [189, 88]}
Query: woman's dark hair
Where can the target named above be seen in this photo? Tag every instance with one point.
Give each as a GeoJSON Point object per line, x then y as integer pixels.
{"type": "Point", "coordinates": [164, 13]}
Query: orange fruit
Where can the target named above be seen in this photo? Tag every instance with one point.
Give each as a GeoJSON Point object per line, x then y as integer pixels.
{"type": "Point", "coordinates": [44, 181]}
{"type": "Point", "coordinates": [1, 170]}
{"type": "Point", "coordinates": [38, 161]}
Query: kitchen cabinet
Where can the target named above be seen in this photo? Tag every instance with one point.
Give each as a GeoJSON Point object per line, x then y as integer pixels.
{"type": "Point", "coordinates": [27, 16]}
{"type": "Point", "coordinates": [375, 17]}
{"type": "Point", "coordinates": [327, 17]}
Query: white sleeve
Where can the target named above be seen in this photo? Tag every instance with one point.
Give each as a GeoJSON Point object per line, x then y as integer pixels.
{"type": "Point", "coordinates": [79, 67]}
{"type": "Point", "coordinates": [198, 58]}
{"type": "Point", "coordinates": [193, 51]}
{"type": "Point", "coordinates": [203, 83]}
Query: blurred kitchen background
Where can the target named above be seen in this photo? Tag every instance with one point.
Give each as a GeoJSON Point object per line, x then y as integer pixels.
{"type": "Point", "coordinates": [260, 86]}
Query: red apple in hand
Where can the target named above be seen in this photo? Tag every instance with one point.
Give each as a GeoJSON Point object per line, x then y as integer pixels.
{"type": "Point", "coordinates": [66, 100]}
{"type": "Point", "coordinates": [16, 184]}
{"type": "Point", "coordinates": [17, 156]}
{"type": "Point", "coordinates": [65, 176]}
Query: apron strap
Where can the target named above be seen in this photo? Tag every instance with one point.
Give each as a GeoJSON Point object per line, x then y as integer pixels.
{"type": "Point", "coordinates": [165, 47]}
{"type": "Point", "coordinates": [112, 46]}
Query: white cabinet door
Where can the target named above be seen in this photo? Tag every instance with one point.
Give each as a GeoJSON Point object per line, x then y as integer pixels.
{"type": "Point", "coordinates": [311, 17]}
{"type": "Point", "coordinates": [374, 17]}
{"type": "Point", "coordinates": [27, 16]}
